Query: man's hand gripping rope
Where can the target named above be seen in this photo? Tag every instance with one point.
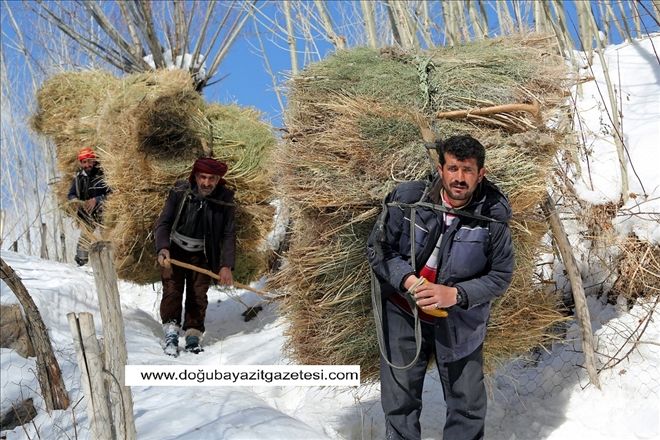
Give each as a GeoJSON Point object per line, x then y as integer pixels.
{"type": "Point", "coordinates": [434, 310]}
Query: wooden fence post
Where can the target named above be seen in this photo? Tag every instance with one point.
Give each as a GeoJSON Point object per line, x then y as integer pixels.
{"type": "Point", "coordinates": [114, 340]}
{"type": "Point", "coordinates": [581, 308]}
{"type": "Point", "coordinates": [91, 375]}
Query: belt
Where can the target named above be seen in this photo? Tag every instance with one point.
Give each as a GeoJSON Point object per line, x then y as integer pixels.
{"type": "Point", "coordinates": [188, 243]}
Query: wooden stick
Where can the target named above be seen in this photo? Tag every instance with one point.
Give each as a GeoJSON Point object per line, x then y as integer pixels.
{"type": "Point", "coordinates": [480, 111]}
{"type": "Point", "coordinates": [581, 308]}
{"type": "Point", "coordinates": [49, 373]}
{"type": "Point", "coordinates": [216, 276]}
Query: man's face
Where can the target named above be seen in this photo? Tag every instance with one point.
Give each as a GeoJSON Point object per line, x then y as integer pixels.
{"type": "Point", "coordinates": [460, 178]}
{"type": "Point", "coordinates": [206, 183]}
{"type": "Point", "coordinates": [87, 164]}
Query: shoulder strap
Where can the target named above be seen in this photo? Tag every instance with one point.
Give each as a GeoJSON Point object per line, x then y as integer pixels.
{"type": "Point", "coordinates": [446, 210]}
{"type": "Point", "coordinates": [377, 305]}
{"type": "Point", "coordinates": [179, 208]}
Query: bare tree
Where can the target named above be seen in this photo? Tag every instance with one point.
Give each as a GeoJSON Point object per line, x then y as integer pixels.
{"type": "Point", "coordinates": [338, 41]}
{"type": "Point", "coordinates": [48, 369]}
{"type": "Point", "coordinates": [143, 35]}
{"type": "Point", "coordinates": [369, 22]}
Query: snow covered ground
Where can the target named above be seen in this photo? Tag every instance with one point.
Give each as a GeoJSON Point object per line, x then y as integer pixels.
{"type": "Point", "coordinates": [549, 398]}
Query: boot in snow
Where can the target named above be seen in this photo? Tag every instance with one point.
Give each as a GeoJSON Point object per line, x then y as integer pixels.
{"type": "Point", "coordinates": [82, 255]}
{"type": "Point", "coordinates": [192, 345]}
{"type": "Point", "coordinates": [171, 339]}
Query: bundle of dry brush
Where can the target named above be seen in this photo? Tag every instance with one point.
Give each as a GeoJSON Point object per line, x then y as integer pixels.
{"type": "Point", "coordinates": [354, 132]}
{"type": "Point", "coordinates": [147, 130]}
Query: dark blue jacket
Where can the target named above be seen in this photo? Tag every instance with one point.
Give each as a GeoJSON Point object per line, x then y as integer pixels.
{"type": "Point", "coordinates": [90, 185]}
{"type": "Point", "coordinates": [476, 256]}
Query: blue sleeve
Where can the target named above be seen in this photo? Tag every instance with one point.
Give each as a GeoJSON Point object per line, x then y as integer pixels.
{"type": "Point", "coordinates": [385, 258]}
{"type": "Point", "coordinates": [497, 279]}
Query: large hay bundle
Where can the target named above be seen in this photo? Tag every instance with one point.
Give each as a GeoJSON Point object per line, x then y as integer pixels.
{"type": "Point", "coordinates": [68, 110]}
{"type": "Point", "coordinates": [354, 132]}
{"type": "Point", "coordinates": [148, 129]}
{"type": "Point", "coordinates": [239, 138]}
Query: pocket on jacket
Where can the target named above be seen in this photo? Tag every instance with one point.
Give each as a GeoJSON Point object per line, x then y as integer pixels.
{"type": "Point", "coordinates": [468, 252]}
{"type": "Point", "coordinates": [421, 237]}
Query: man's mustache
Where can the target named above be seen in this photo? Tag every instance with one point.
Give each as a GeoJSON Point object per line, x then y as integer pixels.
{"type": "Point", "coordinates": [459, 185]}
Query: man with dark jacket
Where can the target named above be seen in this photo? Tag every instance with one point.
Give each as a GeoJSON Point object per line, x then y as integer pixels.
{"type": "Point", "coordinates": [443, 246]}
{"type": "Point", "coordinates": [196, 226]}
{"type": "Point", "coordinates": [90, 189]}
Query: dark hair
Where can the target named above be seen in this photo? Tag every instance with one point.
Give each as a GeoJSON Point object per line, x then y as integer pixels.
{"type": "Point", "coordinates": [464, 147]}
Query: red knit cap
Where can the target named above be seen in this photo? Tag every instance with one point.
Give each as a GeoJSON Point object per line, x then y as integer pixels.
{"type": "Point", "coordinates": [208, 165]}
{"type": "Point", "coordinates": [86, 153]}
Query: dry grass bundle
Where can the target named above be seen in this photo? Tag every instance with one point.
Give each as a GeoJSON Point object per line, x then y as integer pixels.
{"type": "Point", "coordinates": [253, 256]}
{"type": "Point", "coordinates": [638, 270]}
{"type": "Point", "coordinates": [149, 129]}
{"type": "Point", "coordinates": [240, 138]}
{"type": "Point", "coordinates": [327, 278]}
{"type": "Point", "coordinates": [234, 135]}
{"type": "Point", "coordinates": [155, 115]}
{"type": "Point", "coordinates": [354, 132]}
{"type": "Point", "coordinates": [68, 110]}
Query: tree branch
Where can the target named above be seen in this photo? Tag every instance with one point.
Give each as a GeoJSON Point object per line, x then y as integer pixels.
{"type": "Point", "coordinates": [533, 109]}
{"type": "Point", "coordinates": [101, 19]}
{"type": "Point", "coordinates": [138, 49]}
{"type": "Point", "coordinates": [150, 34]}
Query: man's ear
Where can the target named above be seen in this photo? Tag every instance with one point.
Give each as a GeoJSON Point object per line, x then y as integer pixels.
{"type": "Point", "coordinates": [438, 168]}
{"type": "Point", "coordinates": [482, 173]}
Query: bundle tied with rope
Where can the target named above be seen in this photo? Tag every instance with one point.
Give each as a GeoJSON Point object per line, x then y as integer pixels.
{"type": "Point", "coordinates": [147, 130]}
{"type": "Point", "coordinates": [356, 125]}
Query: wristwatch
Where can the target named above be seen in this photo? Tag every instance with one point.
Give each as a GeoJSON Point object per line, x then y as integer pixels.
{"type": "Point", "coordinates": [460, 298]}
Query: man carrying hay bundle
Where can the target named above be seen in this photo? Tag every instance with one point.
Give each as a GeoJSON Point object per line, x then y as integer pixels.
{"type": "Point", "coordinates": [195, 227]}
{"type": "Point", "coordinates": [89, 190]}
{"type": "Point", "coordinates": [459, 259]}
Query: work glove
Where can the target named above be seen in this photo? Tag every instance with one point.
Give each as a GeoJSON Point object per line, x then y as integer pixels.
{"type": "Point", "coordinates": [164, 258]}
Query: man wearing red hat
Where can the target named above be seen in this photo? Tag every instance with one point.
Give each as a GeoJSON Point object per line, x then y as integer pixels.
{"type": "Point", "coordinates": [196, 226]}
{"type": "Point", "coordinates": [90, 189]}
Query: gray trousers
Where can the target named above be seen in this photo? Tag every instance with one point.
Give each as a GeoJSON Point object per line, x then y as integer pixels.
{"type": "Point", "coordinates": [401, 390]}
